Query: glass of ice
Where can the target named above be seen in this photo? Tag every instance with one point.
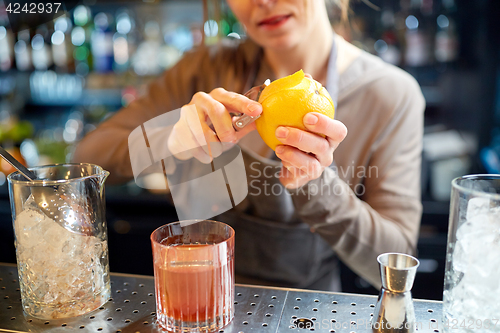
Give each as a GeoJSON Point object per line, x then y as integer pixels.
{"type": "Point", "coordinates": [471, 286]}
{"type": "Point", "coordinates": [194, 275]}
{"type": "Point", "coordinates": [61, 239]}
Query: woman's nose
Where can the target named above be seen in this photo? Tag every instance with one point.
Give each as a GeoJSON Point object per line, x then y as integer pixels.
{"type": "Point", "coordinates": [264, 2]}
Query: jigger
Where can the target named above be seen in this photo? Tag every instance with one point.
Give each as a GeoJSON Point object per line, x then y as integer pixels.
{"type": "Point", "coordinates": [394, 312]}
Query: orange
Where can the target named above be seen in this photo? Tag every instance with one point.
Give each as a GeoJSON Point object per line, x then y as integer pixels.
{"type": "Point", "coordinates": [286, 101]}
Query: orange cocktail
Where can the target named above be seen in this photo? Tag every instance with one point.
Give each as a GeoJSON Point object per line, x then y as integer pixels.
{"type": "Point", "coordinates": [194, 275]}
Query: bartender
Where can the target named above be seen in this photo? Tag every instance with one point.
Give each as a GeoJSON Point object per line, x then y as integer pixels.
{"type": "Point", "coordinates": [370, 179]}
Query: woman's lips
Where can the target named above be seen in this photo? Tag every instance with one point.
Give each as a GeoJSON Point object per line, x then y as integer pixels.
{"type": "Point", "coordinates": [274, 22]}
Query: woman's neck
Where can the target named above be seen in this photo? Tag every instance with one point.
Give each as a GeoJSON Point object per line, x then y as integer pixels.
{"type": "Point", "coordinates": [311, 55]}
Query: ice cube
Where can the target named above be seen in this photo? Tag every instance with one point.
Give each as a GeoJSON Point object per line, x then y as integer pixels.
{"type": "Point", "coordinates": [477, 206]}
{"type": "Point", "coordinates": [55, 235]}
{"type": "Point", "coordinates": [30, 225]}
{"type": "Point", "coordinates": [478, 232]}
{"type": "Point", "coordinates": [460, 260]}
{"type": "Point", "coordinates": [475, 257]}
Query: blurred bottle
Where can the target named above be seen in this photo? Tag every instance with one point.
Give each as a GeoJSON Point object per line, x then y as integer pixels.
{"type": "Point", "coordinates": [121, 41]}
{"type": "Point", "coordinates": [178, 39]}
{"type": "Point", "coordinates": [197, 34]}
{"type": "Point", "coordinates": [41, 49]}
{"type": "Point", "coordinates": [418, 41]}
{"type": "Point", "coordinates": [61, 45]}
{"type": "Point", "coordinates": [80, 38]}
{"type": "Point", "coordinates": [146, 59]}
{"type": "Point", "coordinates": [102, 43]}
{"type": "Point", "coordinates": [388, 46]}
{"type": "Point", "coordinates": [6, 49]}
{"type": "Point", "coordinates": [427, 7]}
{"type": "Point", "coordinates": [446, 40]}
{"type": "Point", "coordinates": [22, 51]}
{"type": "Point", "coordinates": [229, 24]}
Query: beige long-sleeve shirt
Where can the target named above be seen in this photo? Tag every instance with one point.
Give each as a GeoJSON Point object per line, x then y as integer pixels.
{"type": "Point", "coordinates": [366, 204]}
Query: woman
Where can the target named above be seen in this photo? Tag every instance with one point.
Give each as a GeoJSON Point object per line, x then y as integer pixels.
{"type": "Point", "coordinates": [368, 202]}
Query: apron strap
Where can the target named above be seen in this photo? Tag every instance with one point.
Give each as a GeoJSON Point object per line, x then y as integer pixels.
{"type": "Point", "coordinates": [332, 79]}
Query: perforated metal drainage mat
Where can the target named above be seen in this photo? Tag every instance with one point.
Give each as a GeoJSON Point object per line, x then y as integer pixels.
{"type": "Point", "coordinates": [257, 309]}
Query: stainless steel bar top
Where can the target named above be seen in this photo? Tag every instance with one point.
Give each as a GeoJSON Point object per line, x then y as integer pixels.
{"type": "Point", "coordinates": [131, 308]}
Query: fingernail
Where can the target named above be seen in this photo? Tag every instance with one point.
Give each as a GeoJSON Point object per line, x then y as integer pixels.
{"type": "Point", "coordinates": [310, 119]}
{"type": "Point", "coordinates": [281, 132]}
{"type": "Point", "coordinates": [280, 150]}
{"type": "Point", "coordinates": [254, 108]}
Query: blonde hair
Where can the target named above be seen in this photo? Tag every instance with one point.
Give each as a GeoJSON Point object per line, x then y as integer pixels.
{"type": "Point", "coordinates": [343, 5]}
{"type": "Point", "coordinates": [344, 9]}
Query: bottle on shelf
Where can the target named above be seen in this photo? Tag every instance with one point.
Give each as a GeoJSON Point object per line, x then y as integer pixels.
{"type": "Point", "coordinates": [6, 49]}
{"type": "Point", "coordinates": [121, 41]}
{"type": "Point", "coordinates": [388, 47]}
{"type": "Point", "coordinates": [61, 45]}
{"type": "Point", "coordinates": [446, 39]}
{"type": "Point", "coordinates": [41, 50]}
{"type": "Point", "coordinates": [146, 58]}
{"type": "Point", "coordinates": [22, 51]}
{"type": "Point", "coordinates": [102, 43]}
{"type": "Point", "coordinates": [418, 41]}
{"type": "Point", "coordinates": [80, 38]}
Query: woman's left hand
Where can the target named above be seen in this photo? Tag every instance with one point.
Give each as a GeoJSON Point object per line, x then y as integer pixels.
{"type": "Point", "coordinates": [305, 154]}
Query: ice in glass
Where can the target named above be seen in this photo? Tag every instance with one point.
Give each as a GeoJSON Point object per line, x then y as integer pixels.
{"type": "Point", "coordinates": [471, 287]}
{"type": "Point", "coordinates": [63, 271]}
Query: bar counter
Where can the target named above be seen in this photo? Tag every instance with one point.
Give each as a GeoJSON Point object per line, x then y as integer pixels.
{"type": "Point", "coordinates": [131, 308]}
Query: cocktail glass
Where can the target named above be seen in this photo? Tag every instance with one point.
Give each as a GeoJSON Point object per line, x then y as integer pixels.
{"type": "Point", "coordinates": [61, 245]}
{"type": "Point", "coordinates": [194, 275]}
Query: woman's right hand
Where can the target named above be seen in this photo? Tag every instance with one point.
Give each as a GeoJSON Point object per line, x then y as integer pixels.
{"type": "Point", "coordinates": [192, 135]}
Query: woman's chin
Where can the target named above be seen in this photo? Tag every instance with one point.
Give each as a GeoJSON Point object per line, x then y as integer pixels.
{"type": "Point", "coordinates": [280, 43]}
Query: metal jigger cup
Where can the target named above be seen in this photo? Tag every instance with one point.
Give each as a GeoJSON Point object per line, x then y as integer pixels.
{"type": "Point", "coordinates": [394, 312]}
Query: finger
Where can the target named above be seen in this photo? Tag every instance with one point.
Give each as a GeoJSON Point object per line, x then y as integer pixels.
{"type": "Point", "coordinates": [177, 148]}
{"type": "Point", "coordinates": [195, 120]}
{"type": "Point", "coordinates": [295, 172]}
{"type": "Point", "coordinates": [290, 180]}
{"type": "Point", "coordinates": [321, 124]}
{"type": "Point", "coordinates": [184, 145]}
{"type": "Point", "coordinates": [297, 158]}
{"type": "Point", "coordinates": [333, 144]}
{"type": "Point", "coordinates": [237, 102]}
{"type": "Point", "coordinates": [201, 155]}
{"type": "Point", "coordinates": [306, 142]}
{"type": "Point", "coordinates": [218, 114]}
